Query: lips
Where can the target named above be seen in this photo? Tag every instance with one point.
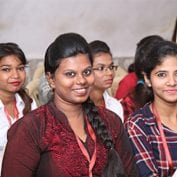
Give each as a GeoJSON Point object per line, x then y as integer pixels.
{"type": "Point", "coordinates": [171, 91]}
{"type": "Point", "coordinates": [16, 83]}
{"type": "Point", "coordinates": [109, 81]}
{"type": "Point", "coordinates": [80, 91]}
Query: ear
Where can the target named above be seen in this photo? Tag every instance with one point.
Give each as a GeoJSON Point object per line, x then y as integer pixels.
{"type": "Point", "coordinates": [50, 80]}
{"type": "Point", "coordinates": [147, 81]}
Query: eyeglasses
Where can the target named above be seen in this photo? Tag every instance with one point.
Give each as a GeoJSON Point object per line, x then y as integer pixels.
{"type": "Point", "coordinates": [105, 68]}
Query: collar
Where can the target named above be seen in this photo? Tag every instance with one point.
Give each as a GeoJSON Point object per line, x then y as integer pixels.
{"type": "Point", "coordinates": [149, 118]}
{"type": "Point", "coordinates": [18, 98]}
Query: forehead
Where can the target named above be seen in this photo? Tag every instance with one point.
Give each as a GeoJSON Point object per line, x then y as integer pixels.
{"type": "Point", "coordinates": [168, 63]}
{"type": "Point", "coordinates": [78, 61]}
{"type": "Point", "coordinates": [10, 60]}
{"type": "Point", "coordinates": [102, 58]}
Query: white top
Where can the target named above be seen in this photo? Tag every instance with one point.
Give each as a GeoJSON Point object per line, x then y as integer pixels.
{"type": "Point", "coordinates": [113, 105]}
{"type": "Point", "coordinates": [4, 123]}
{"type": "Point", "coordinates": [175, 174]}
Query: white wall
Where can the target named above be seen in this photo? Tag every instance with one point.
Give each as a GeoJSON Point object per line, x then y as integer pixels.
{"type": "Point", "coordinates": [121, 23]}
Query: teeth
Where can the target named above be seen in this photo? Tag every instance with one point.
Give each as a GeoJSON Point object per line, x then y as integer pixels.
{"type": "Point", "coordinates": [80, 91]}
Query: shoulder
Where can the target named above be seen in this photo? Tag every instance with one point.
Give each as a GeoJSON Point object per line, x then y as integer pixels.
{"type": "Point", "coordinates": [29, 119]}
{"type": "Point", "coordinates": [111, 120]}
{"type": "Point", "coordinates": [113, 104]}
{"type": "Point", "coordinates": [141, 118]}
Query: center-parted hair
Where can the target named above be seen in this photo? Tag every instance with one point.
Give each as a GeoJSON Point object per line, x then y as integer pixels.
{"type": "Point", "coordinates": [157, 55]}
{"type": "Point", "coordinates": [7, 49]}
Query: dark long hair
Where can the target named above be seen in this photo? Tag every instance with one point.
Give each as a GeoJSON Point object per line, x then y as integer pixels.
{"type": "Point", "coordinates": [141, 94]}
{"type": "Point", "coordinates": [156, 56]}
{"type": "Point", "coordinates": [7, 49]}
{"type": "Point", "coordinates": [71, 44]}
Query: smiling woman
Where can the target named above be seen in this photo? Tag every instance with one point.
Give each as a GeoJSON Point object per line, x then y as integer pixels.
{"type": "Point", "coordinates": [68, 136]}
{"type": "Point", "coordinates": [14, 101]}
{"type": "Point", "coordinates": [155, 125]}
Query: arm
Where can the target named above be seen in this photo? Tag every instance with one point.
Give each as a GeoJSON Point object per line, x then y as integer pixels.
{"type": "Point", "coordinates": [22, 153]}
{"type": "Point", "coordinates": [125, 152]}
{"type": "Point", "coordinates": [144, 157]}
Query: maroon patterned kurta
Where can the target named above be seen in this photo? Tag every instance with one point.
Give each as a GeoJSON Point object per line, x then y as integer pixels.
{"type": "Point", "coordinates": [42, 144]}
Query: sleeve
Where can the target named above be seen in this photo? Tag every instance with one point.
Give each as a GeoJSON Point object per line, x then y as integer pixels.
{"type": "Point", "coordinates": [22, 152]}
{"type": "Point", "coordinates": [123, 147]}
{"type": "Point", "coordinates": [144, 157]}
{"type": "Point", "coordinates": [121, 90]}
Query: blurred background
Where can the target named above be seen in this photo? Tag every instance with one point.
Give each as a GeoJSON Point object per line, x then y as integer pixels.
{"type": "Point", "coordinates": [121, 23]}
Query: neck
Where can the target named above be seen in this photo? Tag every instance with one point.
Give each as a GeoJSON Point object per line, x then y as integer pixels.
{"type": "Point", "coordinates": [75, 117]}
{"type": "Point", "coordinates": [167, 114]}
{"type": "Point", "coordinates": [97, 97]}
{"type": "Point", "coordinates": [70, 110]}
{"type": "Point", "coordinates": [7, 98]}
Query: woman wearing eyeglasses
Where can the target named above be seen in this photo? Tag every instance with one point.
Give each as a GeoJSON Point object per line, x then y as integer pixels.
{"type": "Point", "coordinates": [104, 70]}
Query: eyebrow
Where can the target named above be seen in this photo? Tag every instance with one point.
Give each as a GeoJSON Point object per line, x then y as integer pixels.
{"type": "Point", "coordinates": [11, 65]}
{"type": "Point", "coordinates": [104, 64]}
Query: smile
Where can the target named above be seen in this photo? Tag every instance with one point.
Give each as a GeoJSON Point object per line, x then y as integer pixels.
{"type": "Point", "coordinates": [81, 91]}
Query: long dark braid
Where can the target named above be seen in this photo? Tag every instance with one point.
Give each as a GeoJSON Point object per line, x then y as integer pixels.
{"type": "Point", "coordinates": [114, 166]}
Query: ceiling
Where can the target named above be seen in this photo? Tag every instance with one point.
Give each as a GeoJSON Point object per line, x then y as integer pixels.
{"type": "Point", "coordinates": [121, 23]}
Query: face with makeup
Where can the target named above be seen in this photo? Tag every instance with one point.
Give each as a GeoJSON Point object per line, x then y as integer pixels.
{"type": "Point", "coordinates": [163, 80]}
{"type": "Point", "coordinates": [12, 74]}
{"type": "Point", "coordinates": [73, 79]}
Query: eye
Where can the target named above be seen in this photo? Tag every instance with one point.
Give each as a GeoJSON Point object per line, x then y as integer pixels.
{"type": "Point", "coordinates": [111, 67]}
{"type": "Point", "coordinates": [70, 74]}
{"type": "Point", "coordinates": [21, 68]}
{"type": "Point", "coordinates": [115, 67]}
{"type": "Point", "coordinates": [87, 72]}
{"type": "Point", "coordinates": [161, 74]}
{"type": "Point", "coordinates": [6, 69]}
{"type": "Point", "coordinates": [99, 68]}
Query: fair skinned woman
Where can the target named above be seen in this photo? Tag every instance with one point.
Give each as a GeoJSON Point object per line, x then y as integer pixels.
{"type": "Point", "coordinates": [153, 128]}
{"type": "Point", "coordinates": [14, 101]}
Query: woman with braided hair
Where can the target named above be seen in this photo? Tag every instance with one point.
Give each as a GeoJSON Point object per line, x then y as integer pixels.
{"type": "Point", "coordinates": [69, 136]}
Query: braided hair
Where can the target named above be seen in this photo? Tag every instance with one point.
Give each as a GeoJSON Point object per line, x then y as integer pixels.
{"type": "Point", "coordinates": [114, 167]}
{"type": "Point", "coordinates": [71, 44]}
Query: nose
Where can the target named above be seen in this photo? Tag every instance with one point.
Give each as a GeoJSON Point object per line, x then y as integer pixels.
{"type": "Point", "coordinates": [81, 79]}
{"type": "Point", "coordinates": [108, 71]}
{"type": "Point", "coordinates": [15, 73]}
{"type": "Point", "coordinates": [172, 80]}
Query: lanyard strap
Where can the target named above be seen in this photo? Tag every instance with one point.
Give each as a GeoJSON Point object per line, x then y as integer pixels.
{"type": "Point", "coordinates": [85, 152]}
{"type": "Point", "coordinates": [165, 146]}
{"type": "Point", "coordinates": [15, 113]}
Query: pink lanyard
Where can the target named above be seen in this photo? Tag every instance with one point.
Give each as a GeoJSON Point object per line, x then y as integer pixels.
{"type": "Point", "coordinates": [15, 113]}
{"type": "Point", "coordinates": [85, 152]}
{"type": "Point", "coordinates": [166, 149]}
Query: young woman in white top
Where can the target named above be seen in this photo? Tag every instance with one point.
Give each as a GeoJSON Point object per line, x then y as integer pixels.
{"type": "Point", "coordinates": [104, 70]}
{"type": "Point", "coordinates": [14, 101]}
